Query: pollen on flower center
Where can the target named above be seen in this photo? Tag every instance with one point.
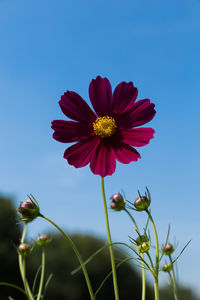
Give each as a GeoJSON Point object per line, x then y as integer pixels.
{"type": "Point", "coordinates": [104, 126]}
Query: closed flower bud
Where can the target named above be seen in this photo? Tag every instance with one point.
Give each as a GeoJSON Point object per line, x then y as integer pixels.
{"type": "Point", "coordinates": [29, 210]}
{"type": "Point", "coordinates": [118, 202]}
{"type": "Point", "coordinates": [167, 249]}
{"type": "Point", "coordinates": [142, 203]}
{"type": "Point", "coordinates": [143, 243]}
{"type": "Point", "coordinates": [24, 249]}
{"type": "Point", "coordinates": [141, 239]}
{"type": "Point", "coordinates": [167, 267]}
{"type": "Point", "coordinates": [144, 247]}
{"type": "Point", "coordinates": [43, 240]}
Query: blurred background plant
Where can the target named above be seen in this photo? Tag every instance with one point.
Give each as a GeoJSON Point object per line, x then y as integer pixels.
{"type": "Point", "coordinates": [61, 261]}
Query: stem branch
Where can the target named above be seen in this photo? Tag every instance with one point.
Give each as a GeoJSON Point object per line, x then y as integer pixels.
{"type": "Point", "coordinates": [67, 237]}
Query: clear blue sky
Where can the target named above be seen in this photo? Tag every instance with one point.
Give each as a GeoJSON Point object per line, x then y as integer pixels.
{"type": "Point", "coordinates": [50, 46]}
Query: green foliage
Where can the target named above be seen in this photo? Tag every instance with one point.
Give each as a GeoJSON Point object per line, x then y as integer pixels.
{"type": "Point", "coordinates": [9, 236]}
{"type": "Point", "coordinates": [61, 261]}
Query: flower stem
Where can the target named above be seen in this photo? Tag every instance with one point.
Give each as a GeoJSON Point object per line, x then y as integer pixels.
{"type": "Point", "coordinates": [133, 220]}
{"type": "Point", "coordinates": [156, 288]}
{"type": "Point", "coordinates": [22, 267]}
{"type": "Point", "coordinates": [67, 237]}
{"type": "Point", "coordinates": [143, 280]}
{"type": "Point", "coordinates": [42, 275]}
{"type": "Point", "coordinates": [143, 270]}
{"type": "Point", "coordinates": [173, 280]}
{"type": "Point", "coordinates": [110, 242]}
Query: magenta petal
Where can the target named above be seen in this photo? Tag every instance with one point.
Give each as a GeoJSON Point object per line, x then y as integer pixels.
{"type": "Point", "coordinates": [80, 154]}
{"type": "Point", "coordinates": [75, 108]}
{"type": "Point", "coordinates": [103, 161]}
{"type": "Point", "coordinates": [125, 153]}
{"type": "Point", "coordinates": [100, 92]}
{"type": "Point", "coordinates": [137, 136]}
{"type": "Point", "coordinates": [142, 112]}
{"type": "Point", "coordinates": [70, 131]}
{"type": "Point", "coordinates": [124, 97]}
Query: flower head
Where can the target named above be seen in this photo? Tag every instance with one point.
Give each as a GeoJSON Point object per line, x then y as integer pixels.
{"type": "Point", "coordinates": [108, 134]}
{"type": "Point", "coordinates": [24, 249]}
{"type": "Point", "coordinates": [118, 202]}
{"type": "Point", "coordinates": [167, 249]}
{"type": "Point", "coordinates": [143, 244]}
{"type": "Point", "coordinates": [28, 210]}
{"type": "Point", "coordinates": [167, 267]}
{"type": "Point", "coordinates": [141, 203]}
{"type": "Point", "coordinates": [43, 240]}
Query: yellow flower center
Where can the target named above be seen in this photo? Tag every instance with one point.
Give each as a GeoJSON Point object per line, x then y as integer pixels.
{"type": "Point", "coordinates": [104, 126]}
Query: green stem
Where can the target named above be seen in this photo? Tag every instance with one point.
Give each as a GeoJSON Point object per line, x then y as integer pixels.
{"type": "Point", "coordinates": [151, 262]}
{"type": "Point", "coordinates": [67, 237]}
{"type": "Point", "coordinates": [156, 288]}
{"type": "Point", "coordinates": [110, 242]}
{"type": "Point", "coordinates": [42, 275]}
{"type": "Point", "coordinates": [22, 267]}
{"type": "Point", "coordinates": [143, 280]}
{"type": "Point", "coordinates": [133, 220]}
{"type": "Point", "coordinates": [173, 280]}
{"type": "Point", "coordinates": [143, 270]}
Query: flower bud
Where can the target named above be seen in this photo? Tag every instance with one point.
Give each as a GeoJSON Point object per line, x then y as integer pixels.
{"type": "Point", "coordinates": [141, 239]}
{"type": "Point", "coordinates": [24, 249]}
{"type": "Point", "coordinates": [167, 249]}
{"type": "Point", "coordinates": [118, 202]}
{"type": "Point", "coordinates": [167, 267]}
{"type": "Point", "coordinates": [43, 240]}
{"type": "Point", "coordinates": [142, 203]}
{"type": "Point", "coordinates": [144, 247]}
{"type": "Point", "coordinates": [143, 243]}
{"type": "Point", "coordinates": [29, 210]}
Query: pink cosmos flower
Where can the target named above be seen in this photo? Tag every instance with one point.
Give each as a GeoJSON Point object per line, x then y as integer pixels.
{"type": "Point", "coordinates": [108, 134]}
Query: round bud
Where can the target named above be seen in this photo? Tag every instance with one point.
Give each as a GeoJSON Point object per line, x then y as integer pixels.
{"type": "Point", "coordinates": [43, 240]}
{"type": "Point", "coordinates": [167, 267]}
{"type": "Point", "coordinates": [143, 243]}
{"type": "Point", "coordinates": [118, 202]}
{"type": "Point", "coordinates": [167, 249]}
{"type": "Point", "coordinates": [24, 249]}
{"type": "Point", "coordinates": [142, 203]}
{"type": "Point", "coordinates": [28, 210]}
{"type": "Point", "coordinates": [141, 239]}
{"type": "Point", "coordinates": [144, 247]}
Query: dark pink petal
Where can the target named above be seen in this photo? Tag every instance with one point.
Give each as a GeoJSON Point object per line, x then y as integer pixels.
{"type": "Point", "coordinates": [103, 161]}
{"type": "Point", "coordinates": [124, 97]}
{"type": "Point", "coordinates": [80, 154]}
{"type": "Point", "coordinates": [100, 92]}
{"type": "Point", "coordinates": [75, 108]}
{"type": "Point", "coordinates": [125, 153]}
{"type": "Point", "coordinates": [141, 113]}
{"type": "Point", "coordinates": [137, 136]}
{"type": "Point", "coordinates": [70, 131]}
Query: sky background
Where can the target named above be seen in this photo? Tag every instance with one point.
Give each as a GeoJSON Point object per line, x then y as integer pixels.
{"type": "Point", "coordinates": [50, 46]}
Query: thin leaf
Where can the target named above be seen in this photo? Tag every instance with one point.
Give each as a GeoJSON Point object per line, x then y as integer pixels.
{"type": "Point", "coordinates": [35, 278]}
{"type": "Point", "coordinates": [105, 279]}
{"type": "Point", "coordinates": [47, 284]}
{"type": "Point", "coordinates": [167, 238]}
{"type": "Point", "coordinates": [181, 252]}
{"type": "Point", "coordinates": [165, 278]}
{"type": "Point", "coordinates": [92, 256]}
{"type": "Point", "coordinates": [145, 229]}
{"type": "Point", "coordinates": [13, 286]}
